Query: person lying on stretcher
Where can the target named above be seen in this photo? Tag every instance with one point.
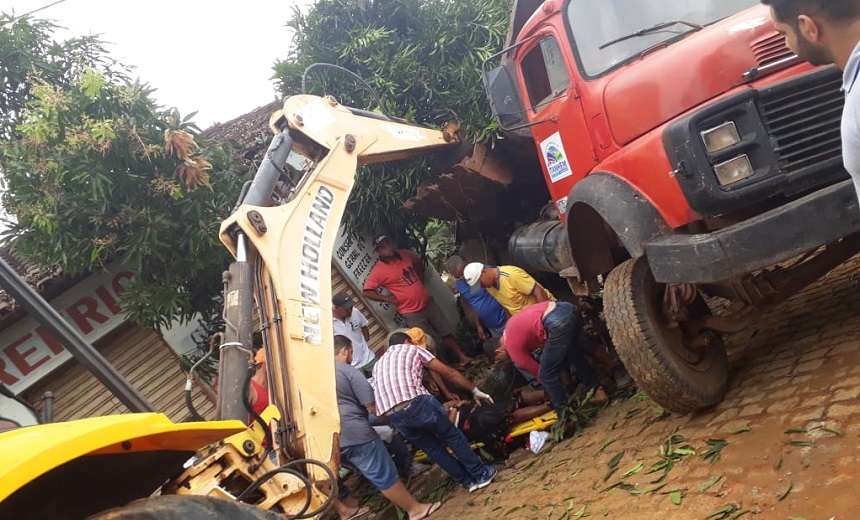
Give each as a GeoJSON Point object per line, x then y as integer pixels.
{"type": "Point", "coordinates": [490, 424]}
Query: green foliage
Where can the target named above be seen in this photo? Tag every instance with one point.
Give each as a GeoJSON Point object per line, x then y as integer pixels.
{"type": "Point", "coordinates": [95, 172]}
{"type": "Point", "coordinates": [421, 60]}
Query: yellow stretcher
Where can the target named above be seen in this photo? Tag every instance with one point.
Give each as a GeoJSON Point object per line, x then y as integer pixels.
{"type": "Point", "coordinates": [538, 423]}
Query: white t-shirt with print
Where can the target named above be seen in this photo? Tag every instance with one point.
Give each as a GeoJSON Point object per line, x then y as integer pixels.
{"type": "Point", "coordinates": [351, 328]}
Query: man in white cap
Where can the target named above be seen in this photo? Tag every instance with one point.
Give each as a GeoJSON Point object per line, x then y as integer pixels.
{"type": "Point", "coordinates": [350, 322]}
{"type": "Point", "coordinates": [514, 288]}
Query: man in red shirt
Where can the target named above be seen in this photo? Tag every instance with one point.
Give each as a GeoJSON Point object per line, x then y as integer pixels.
{"type": "Point", "coordinates": [555, 326]}
{"type": "Point", "coordinates": [401, 272]}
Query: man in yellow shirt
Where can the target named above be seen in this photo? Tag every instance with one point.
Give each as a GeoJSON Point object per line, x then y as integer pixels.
{"type": "Point", "coordinates": [514, 288]}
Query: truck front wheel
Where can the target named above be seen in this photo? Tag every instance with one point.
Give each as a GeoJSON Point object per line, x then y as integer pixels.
{"type": "Point", "coordinates": [665, 363]}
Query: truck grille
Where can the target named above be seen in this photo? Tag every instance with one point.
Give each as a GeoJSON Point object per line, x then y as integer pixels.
{"type": "Point", "coordinates": [803, 119]}
{"type": "Point", "coordinates": [770, 49]}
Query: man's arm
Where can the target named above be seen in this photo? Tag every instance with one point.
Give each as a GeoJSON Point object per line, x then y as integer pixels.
{"type": "Point", "coordinates": [450, 374]}
{"type": "Point", "coordinates": [377, 297]}
{"type": "Point", "coordinates": [472, 317]}
{"type": "Point", "coordinates": [363, 323]}
{"type": "Point", "coordinates": [523, 360]}
{"type": "Point", "coordinates": [540, 293]}
{"type": "Point", "coordinates": [417, 264]}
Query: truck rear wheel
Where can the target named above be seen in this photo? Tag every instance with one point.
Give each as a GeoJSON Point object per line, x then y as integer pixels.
{"type": "Point", "coordinates": [185, 507]}
{"type": "Point", "coordinates": [677, 375]}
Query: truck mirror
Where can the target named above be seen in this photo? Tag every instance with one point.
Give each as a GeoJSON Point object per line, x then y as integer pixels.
{"type": "Point", "coordinates": [504, 97]}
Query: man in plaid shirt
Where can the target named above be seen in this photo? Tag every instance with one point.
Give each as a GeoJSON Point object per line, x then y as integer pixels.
{"type": "Point", "coordinates": [419, 416]}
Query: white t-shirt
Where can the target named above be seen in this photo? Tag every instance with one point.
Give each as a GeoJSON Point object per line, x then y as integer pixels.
{"type": "Point", "coordinates": [351, 328]}
{"type": "Point", "coordinates": [851, 118]}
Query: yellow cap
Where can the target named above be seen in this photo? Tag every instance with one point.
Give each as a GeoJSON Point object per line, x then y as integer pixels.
{"type": "Point", "coordinates": [417, 336]}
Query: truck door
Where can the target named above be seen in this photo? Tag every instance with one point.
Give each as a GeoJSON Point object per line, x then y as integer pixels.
{"type": "Point", "coordinates": [554, 109]}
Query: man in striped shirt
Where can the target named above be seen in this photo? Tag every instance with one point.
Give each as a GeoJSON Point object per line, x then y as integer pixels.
{"type": "Point", "coordinates": [419, 416]}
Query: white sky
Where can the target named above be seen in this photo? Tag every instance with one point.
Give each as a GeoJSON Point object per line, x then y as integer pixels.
{"type": "Point", "coordinates": [213, 57]}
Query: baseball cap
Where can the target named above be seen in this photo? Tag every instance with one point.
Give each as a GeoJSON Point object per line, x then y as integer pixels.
{"type": "Point", "coordinates": [342, 299]}
{"type": "Point", "coordinates": [380, 239]}
{"type": "Point", "coordinates": [472, 275]}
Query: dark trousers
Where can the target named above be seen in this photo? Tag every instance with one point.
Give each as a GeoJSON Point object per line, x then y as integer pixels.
{"type": "Point", "coordinates": [426, 425]}
{"type": "Point", "coordinates": [563, 349]}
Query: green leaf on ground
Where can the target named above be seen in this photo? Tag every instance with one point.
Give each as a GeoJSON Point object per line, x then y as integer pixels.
{"type": "Point", "coordinates": [639, 396]}
{"type": "Point", "coordinates": [606, 444]}
{"type": "Point", "coordinates": [706, 485]}
{"type": "Point", "coordinates": [581, 513]}
{"type": "Point", "coordinates": [637, 492]}
{"type": "Point", "coordinates": [801, 443]}
{"type": "Point", "coordinates": [713, 453]}
{"type": "Point", "coordinates": [634, 470]}
{"type": "Point", "coordinates": [514, 509]}
{"type": "Point", "coordinates": [778, 465]}
{"type": "Point", "coordinates": [633, 413]}
{"type": "Point", "coordinates": [740, 429]}
{"type": "Point", "coordinates": [613, 462]}
{"type": "Point", "coordinates": [723, 512]}
{"type": "Point", "coordinates": [676, 496]}
{"type": "Point", "coordinates": [835, 431]}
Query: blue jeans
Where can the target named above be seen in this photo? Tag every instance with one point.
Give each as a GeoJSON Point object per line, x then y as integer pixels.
{"type": "Point", "coordinates": [426, 425]}
{"type": "Point", "coordinates": [564, 348]}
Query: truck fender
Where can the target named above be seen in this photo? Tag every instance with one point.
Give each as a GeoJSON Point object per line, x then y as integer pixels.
{"type": "Point", "coordinates": [600, 200]}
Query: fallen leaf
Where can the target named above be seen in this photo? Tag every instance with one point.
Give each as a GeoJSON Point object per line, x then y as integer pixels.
{"type": "Point", "coordinates": [706, 485]}
{"type": "Point", "coordinates": [740, 429]}
{"type": "Point", "coordinates": [613, 462]}
{"type": "Point", "coordinates": [785, 492]}
{"type": "Point", "coordinates": [676, 496]}
{"type": "Point", "coordinates": [634, 470]}
{"type": "Point", "coordinates": [801, 443]}
{"type": "Point", "coordinates": [834, 431]}
{"type": "Point", "coordinates": [606, 444]}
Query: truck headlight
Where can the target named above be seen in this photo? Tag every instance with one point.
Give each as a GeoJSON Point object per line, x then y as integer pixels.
{"type": "Point", "coordinates": [720, 137]}
{"type": "Point", "coordinates": [734, 170]}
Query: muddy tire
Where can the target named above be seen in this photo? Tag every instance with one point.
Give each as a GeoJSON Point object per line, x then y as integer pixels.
{"type": "Point", "coordinates": [678, 378]}
{"type": "Point", "coordinates": [174, 507]}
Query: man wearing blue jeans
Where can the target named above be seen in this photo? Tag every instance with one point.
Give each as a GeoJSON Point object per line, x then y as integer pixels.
{"type": "Point", "coordinates": [556, 327]}
{"type": "Point", "coordinates": [360, 446]}
{"type": "Point", "coordinates": [419, 416]}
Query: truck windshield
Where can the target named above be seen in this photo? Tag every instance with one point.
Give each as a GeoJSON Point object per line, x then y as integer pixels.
{"type": "Point", "coordinates": [596, 23]}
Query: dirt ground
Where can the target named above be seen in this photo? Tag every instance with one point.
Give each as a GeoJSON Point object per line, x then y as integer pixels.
{"type": "Point", "coordinates": [788, 428]}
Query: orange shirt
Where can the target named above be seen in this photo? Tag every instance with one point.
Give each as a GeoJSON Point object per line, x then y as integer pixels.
{"type": "Point", "coordinates": [401, 279]}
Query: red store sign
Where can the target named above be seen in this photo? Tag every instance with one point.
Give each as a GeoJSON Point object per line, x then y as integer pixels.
{"type": "Point", "coordinates": [28, 352]}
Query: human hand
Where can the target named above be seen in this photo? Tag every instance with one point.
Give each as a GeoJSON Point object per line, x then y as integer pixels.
{"type": "Point", "coordinates": [483, 334]}
{"type": "Point", "coordinates": [479, 395]}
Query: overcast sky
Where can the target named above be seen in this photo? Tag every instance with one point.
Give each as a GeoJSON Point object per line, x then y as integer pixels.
{"type": "Point", "coordinates": [213, 57]}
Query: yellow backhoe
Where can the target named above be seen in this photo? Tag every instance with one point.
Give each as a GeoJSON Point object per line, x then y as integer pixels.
{"type": "Point", "coordinates": [142, 465]}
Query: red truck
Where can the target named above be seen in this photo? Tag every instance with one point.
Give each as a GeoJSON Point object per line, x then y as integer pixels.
{"type": "Point", "coordinates": [693, 160]}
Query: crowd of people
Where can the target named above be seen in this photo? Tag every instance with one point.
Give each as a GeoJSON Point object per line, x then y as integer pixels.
{"type": "Point", "coordinates": [405, 398]}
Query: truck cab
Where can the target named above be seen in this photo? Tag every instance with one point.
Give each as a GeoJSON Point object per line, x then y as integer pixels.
{"type": "Point", "coordinates": [689, 154]}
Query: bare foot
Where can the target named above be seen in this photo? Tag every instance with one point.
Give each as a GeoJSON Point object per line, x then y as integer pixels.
{"type": "Point", "coordinates": [354, 513]}
{"type": "Point", "coordinates": [424, 513]}
{"type": "Point", "coordinates": [599, 396]}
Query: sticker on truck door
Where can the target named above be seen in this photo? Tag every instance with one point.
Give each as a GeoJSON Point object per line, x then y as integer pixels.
{"type": "Point", "coordinates": [555, 158]}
